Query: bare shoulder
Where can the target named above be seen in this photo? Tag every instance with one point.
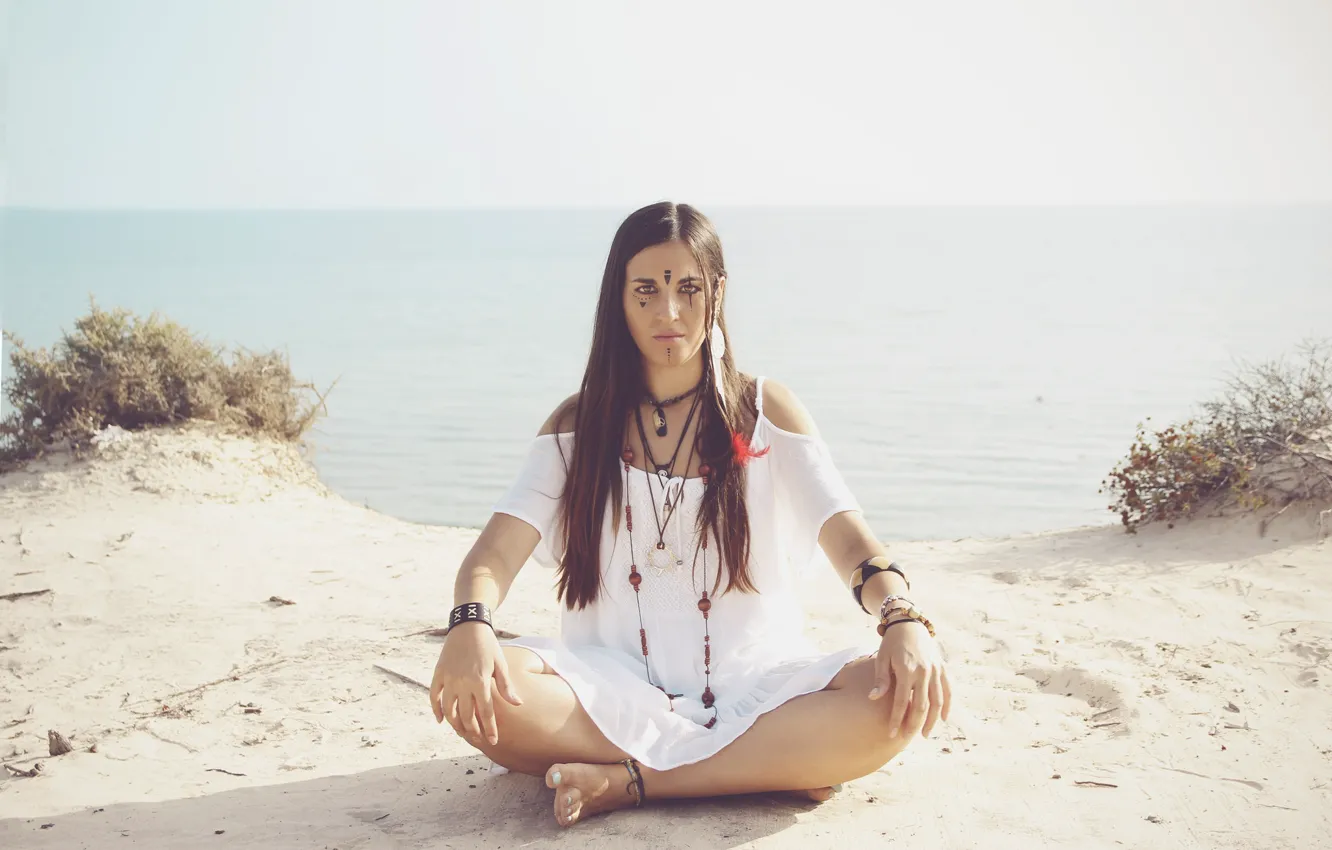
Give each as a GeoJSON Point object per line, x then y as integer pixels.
{"type": "Point", "coordinates": [784, 409]}
{"type": "Point", "coordinates": [561, 421]}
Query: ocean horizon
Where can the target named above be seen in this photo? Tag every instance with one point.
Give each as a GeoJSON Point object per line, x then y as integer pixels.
{"type": "Point", "coordinates": [976, 371]}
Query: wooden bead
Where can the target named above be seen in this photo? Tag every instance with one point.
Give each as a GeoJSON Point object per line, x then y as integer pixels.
{"type": "Point", "coordinates": [705, 605]}
{"type": "Point", "coordinates": [627, 455]}
{"type": "Point", "coordinates": [708, 698]}
{"type": "Point", "coordinates": [635, 577]}
{"type": "Point", "coordinates": [704, 470]}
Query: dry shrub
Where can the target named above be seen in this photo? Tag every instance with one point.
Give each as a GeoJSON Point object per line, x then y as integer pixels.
{"type": "Point", "coordinates": [1267, 439]}
{"type": "Point", "coordinates": [118, 369]}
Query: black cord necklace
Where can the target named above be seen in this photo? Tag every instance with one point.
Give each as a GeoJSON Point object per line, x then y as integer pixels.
{"type": "Point", "coordinates": [662, 557]}
{"type": "Point", "coordinates": [658, 407]}
{"type": "Point", "coordinates": [666, 469]}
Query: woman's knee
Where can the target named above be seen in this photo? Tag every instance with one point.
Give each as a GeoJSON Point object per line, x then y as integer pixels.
{"type": "Point", "coordinates": [519, 664]}
{"type": "Point", "coordinates": [515, 748]}
{"type": "Point", "coordinates": [880, 741]}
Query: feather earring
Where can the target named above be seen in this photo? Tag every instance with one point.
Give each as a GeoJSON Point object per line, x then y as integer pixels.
{"type": "Point", "coordinates": [717, 346]}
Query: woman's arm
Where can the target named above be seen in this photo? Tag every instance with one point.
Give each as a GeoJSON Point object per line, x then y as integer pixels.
{"type": "Point", "coordinates": [471, 656]}
{"type": "Point", "coordinates": [848, 542]}
{"type": "Point", "coordinates": [505, 544]}
{"type": "Point", "coordinates": [845, 538]}
{"type": "Point", "coordinates": [489, 568]}
{"type": "Point", "coordinates": [908, 666]}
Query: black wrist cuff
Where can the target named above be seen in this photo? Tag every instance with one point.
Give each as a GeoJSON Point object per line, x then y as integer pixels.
{"type": "Point", "coordinates": [472, 612]}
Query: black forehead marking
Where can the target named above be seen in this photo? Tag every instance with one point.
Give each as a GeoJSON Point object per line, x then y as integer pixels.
{"type": "Point", "coordinates": [668, 275]}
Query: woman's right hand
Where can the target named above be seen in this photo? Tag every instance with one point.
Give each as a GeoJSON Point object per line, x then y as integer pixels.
{"type": "Point", "coordinates": [461, 690]}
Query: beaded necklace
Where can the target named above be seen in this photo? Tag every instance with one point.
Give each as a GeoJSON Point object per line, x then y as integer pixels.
{"type": "Point", "coordinates": [636, 578]}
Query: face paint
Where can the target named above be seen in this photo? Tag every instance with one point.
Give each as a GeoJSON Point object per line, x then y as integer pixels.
{"type": "Point", "coordinates": [668, 277]}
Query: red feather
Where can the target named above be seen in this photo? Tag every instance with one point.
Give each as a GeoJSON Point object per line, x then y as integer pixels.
{"type": "Point", "coordinates": [742, 451]}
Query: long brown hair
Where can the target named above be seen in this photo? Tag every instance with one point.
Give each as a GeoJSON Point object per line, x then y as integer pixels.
{"type": "Point", "coordinates": [612, 387]}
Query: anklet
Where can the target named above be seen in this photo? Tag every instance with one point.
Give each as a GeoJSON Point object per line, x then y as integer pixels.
{"type": "Point", "coordinates": [635, 786]}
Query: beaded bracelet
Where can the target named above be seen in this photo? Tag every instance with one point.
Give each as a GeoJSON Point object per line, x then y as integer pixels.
{"type": "Point", "coordinates": [905, 615]}
{"type": "Point", "coordinates": [887, 605]}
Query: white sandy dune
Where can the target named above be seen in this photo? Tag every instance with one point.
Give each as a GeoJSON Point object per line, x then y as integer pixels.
{"type": "Point", "coordinates": [1167, 690]}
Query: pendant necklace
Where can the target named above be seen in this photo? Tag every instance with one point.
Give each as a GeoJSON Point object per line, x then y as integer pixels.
{"type": "Point", "coordinates": [708, 698]}
{"type": "Point", "coordinates": [661, 557]}
{"type": "Point", "coordinates": [666, 470]}
{"type": "Point", "coordinates": [659, 408]}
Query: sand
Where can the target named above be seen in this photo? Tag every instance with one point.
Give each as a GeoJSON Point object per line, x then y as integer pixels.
{"type": "Point", "coordinates": [1169, 689]}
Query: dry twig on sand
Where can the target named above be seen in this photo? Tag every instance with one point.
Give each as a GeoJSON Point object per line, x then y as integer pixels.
{"type": "Point", "coordinates": [10, 597]}
{"type": "Point", "coordinates": [443, 632]}
{"type": "Point", "coordinates": [403, 676]}
{"type": "Point", "coordinates": [163, 702]}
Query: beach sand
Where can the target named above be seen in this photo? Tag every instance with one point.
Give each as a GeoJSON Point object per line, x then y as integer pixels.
{"type": "Point", "coordinates": [1166, 689]}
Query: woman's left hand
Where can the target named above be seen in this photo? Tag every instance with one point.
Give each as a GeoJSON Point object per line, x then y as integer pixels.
{"type": "Point", "coordinates": [910, 669]}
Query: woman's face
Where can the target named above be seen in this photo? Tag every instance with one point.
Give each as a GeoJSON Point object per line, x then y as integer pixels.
{"type": "Point", "coordinates": [666, 303]}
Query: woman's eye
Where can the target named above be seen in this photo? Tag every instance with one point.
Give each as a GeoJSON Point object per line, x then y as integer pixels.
{"type": "Point", "coordinates": [691, 289]}
{"type": "Point", "coordinates": [646, 290]}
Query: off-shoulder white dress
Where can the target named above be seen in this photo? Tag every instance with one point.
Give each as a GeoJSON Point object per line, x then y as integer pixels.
{"type": "Point", "coordinates": [760, 657]}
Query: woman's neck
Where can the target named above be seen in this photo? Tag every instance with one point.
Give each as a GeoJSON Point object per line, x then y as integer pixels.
{"type": "Point", "coordinates": [668, 382]}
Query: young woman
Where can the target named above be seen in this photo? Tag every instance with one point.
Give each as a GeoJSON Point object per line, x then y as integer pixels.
{"type": "Point", "coordinates": [679, 502]}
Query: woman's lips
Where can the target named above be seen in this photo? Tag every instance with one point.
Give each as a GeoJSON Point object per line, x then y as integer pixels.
{"type": "Point", "coordinates": [668, 337]}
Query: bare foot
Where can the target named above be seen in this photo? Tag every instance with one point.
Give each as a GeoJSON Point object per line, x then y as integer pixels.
{"type": "Point", "coordinates": [583, 790]}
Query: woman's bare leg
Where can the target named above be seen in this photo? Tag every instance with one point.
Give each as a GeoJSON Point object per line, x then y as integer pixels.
{"type": "Point", "coordinates": [811, 742]}
{"type": "Point", "coordinates": [550, 726]}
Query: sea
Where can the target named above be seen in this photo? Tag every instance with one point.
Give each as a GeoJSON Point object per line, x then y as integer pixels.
{"type": "Point", "coordinates": [974, 371]}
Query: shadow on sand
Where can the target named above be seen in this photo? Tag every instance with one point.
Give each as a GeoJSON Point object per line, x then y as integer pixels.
{"type": "Point", "coordinates": [434, 804]}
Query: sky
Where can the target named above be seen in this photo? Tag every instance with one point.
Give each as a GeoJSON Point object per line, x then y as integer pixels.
{"type": "Point", "coordinates": [393, 103]}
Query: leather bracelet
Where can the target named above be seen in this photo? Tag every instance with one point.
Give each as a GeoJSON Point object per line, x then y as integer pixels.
{"type": "Point", "coordinates": [910, 614]}
{"type": "Point", "coordinates": [867, 570]}
{"type": "Point", "coordinates": [884, 627]}
{"type": "Point", "coordinates": [472, 612]}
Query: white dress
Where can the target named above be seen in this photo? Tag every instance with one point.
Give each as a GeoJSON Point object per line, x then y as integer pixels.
{"type": "Point", "coordinates": [760, 657]}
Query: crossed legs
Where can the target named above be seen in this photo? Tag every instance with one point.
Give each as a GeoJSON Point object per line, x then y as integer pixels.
{"type": "Point", "coordinates": [811, 742]}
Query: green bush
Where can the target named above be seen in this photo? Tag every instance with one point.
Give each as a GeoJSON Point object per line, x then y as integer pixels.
{"type": "Point", "coordinates": [1266, 439]}
{"type": "Point", "coordinates": [118, 369]}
